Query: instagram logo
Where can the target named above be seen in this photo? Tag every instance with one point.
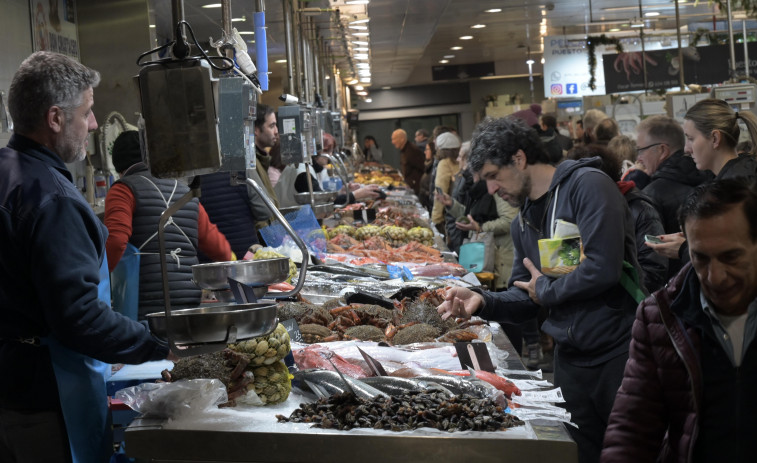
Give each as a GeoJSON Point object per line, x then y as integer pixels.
{"type": "Point", "coordinates": [556, 89]}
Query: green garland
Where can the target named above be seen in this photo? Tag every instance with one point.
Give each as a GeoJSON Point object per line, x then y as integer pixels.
{"type": "Point", "coordinates": [591, 43]}
{"type": "Point", "coordinates": [750, 6]}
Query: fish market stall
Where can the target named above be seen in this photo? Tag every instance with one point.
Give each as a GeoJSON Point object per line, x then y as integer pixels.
{"type": "Point", "coordinates": [255, 435]}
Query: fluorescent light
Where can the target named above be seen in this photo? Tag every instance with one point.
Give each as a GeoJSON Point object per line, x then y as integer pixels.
{"type": "Point", "coordinates": [359, 43]}
{"type": "Point", "coordinates": [365, 80]}
{"type": "Point", "coordinates": [362, 49]}
{"type": "Point", "coordinates": [386, 87]}
{"type": "Point", "coordinates": [361, 55]}
{"type": "Point", "coordinates": [466, 37]}
{"type": "Point", "coordinates": [449, 56]}
{"type": "Point", "coordinates": [652, 13]}
{"type": "Point", "coordinates": [352, 82]}
{"type": "Point", "coordinates": [443, 61]}
{"type": "Point", "coordinates": [246, 32]}
{"type": "Point", "coordinates": [363, 65]}
{"type": "Point", "coordinates": [542, 60]}
{"type": "Point", "coordinates": [359, 27]}
{"type": "Point", "coordinates": [359, 88]}
{"type": "Point", "coordinates": [529, 62]}
{"type": "Point", "coordinates": [152, 26]}
{"type": "Point", "coordinates": [478, 26]}
{"type": "Point", "coordinates": [212, 5]}
{"type": "Point", "coordinates": [356, 2]}
{"type": "Point", "coordinates": [360, 34]}
{"type": "Point", "coordinates": [236, 20]}
{"type": "Point", "coordinates": [365, 73]}
{"type": "Point", "coordinates": [280, 61]}
{"type": "Point", "coordinates": [456, 48]}
{"type": "Point", "coordinates": [615, 30]}
{"type": "Point", "coordinates": [368, 100]}
{"type": "Point", "coordinates": [493, 10]}
{"type": "Point", "coordinates": [362, 93]}
{"type": "Point", "coordinates": [360, 21]}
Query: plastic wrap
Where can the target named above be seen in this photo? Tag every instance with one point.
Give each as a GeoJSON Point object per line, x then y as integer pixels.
{"type": "Point", "coordinates": [179, 399]}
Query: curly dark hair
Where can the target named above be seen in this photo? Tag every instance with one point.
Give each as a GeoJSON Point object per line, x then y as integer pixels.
{"type": "Point", "coordinates": [497, 140]}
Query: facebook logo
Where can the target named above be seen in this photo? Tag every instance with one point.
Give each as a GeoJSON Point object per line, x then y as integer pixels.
{"type": "Point", "coordinates": [571, 89]}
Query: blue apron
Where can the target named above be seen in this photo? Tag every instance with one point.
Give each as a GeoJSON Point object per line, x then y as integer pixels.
{"type": "Point", "coordinates": [83, 398]}
{"type": "Point", "coordinates": [124, 281]}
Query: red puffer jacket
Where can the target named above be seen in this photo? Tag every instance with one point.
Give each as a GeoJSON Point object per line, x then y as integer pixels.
{"type": "Point", "coordinates": [655, 413]}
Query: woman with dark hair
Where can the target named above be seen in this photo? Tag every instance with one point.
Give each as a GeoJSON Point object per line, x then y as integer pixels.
{"type": "Point", "coordinates": [425, 193]}
{"type": "Point", "coordinates": [371, 149]}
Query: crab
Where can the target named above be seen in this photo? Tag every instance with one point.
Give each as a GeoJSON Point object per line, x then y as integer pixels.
{"type": "Point", "coordinates": [459, 335]}
{"type": "Point", "coordinates": [358, 314]}
{"type": "Point", "coordinates": [312, 333]}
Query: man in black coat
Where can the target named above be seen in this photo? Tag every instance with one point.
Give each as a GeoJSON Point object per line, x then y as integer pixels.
{"type": "Point", "coordinates": [673, 175]}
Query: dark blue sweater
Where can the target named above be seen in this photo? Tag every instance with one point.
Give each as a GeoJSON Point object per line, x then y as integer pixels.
{"type": "Point", "coordinates": [51, 249]}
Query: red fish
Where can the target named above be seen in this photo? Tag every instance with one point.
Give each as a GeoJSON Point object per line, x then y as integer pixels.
{"type": "Point", "coordinates": [503, 384]}
{"type": "Point", "coordinates": [318, 356]}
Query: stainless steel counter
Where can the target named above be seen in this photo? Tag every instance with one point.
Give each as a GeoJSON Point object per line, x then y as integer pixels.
{"type": "Point", "coordinates": [539, 441]}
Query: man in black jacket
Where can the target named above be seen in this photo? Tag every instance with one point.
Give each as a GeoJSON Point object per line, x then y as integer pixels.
{"type": "Point", "coordinates": [57, 329]}
{"type": "Point", "coordinates": [673, 175]}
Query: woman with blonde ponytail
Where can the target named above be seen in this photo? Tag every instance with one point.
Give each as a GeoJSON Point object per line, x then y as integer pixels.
{"type": "Point", "coordinates": [712, 132]}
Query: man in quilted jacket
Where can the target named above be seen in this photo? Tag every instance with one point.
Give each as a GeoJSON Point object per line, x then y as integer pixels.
{"type": "Point", "coordinates": [688, 391]}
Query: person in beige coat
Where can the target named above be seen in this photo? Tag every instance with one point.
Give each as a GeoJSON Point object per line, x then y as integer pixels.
{"type": "Point", "coordinates": [447, 149]}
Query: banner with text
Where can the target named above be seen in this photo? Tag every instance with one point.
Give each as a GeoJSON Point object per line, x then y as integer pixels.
{"type": "Point", "coordinates": [707, 65]}
{"type": "Point", "coordinates": [54, 26]}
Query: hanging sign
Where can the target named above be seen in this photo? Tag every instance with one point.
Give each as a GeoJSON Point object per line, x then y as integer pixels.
{"type": "Point", "coordinates": [54, 26]}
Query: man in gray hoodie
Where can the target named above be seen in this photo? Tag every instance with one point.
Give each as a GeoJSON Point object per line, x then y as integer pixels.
{"type": "Point", "coordinates": [590, 309]}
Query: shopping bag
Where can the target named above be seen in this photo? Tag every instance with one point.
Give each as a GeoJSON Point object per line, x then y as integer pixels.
{"type": "Point", "coordinates": [477, 253]}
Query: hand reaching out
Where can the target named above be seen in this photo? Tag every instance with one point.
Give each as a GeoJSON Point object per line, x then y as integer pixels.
{"type": "Point", "coordinates": [670, 245]}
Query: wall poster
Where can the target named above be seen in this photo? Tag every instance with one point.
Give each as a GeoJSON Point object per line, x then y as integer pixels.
{"type": "Point", "coordinates": [54, 26]}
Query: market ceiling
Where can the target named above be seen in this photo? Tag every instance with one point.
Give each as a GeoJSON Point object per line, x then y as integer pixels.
{"type": "Point", "coordinates": [408, 37]}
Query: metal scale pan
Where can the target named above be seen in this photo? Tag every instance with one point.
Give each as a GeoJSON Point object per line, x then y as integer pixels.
{"type": "Point", "coordinates": [208, 329]}
{"type": "Point", "coordinates": [253, 275]}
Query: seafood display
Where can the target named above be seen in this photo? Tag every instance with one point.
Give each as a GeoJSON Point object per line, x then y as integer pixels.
{"type": "Point", "coordinates": [411, 321]}
{"type": "Point", "coordinates": [411, 410]}
{"type": "Point", "coordinates": [253, 371]}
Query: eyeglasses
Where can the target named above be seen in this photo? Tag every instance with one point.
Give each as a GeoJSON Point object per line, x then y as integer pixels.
{"type": "Point", "coordinates": [639, 150]}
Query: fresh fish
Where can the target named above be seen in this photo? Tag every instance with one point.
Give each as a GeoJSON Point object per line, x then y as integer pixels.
{"type": "Point", "coordinates": [503, 384]}
{"type": "Point", "coordinates": [331, 383]}
{"type": "Point", "coordinates": [460, 386]}
{"type": "Point", "coordinates": [392, 385]}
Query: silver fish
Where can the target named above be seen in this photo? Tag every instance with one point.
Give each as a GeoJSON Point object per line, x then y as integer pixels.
{"type": "Point", "coordinates": [460, 385]}
{"type": "Point", "coordinates": [331, 383]}
{"type": "Point", "coordinates": [392, 385]}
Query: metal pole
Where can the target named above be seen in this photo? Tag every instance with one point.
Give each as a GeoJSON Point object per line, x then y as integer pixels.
{"type": "Point", "coordinates": [299, 50]}
{"type": "Point", "coordinates": [644, 60]}
{"type": "Point", "coordinates": [226, 17]}
{"type": "Point", "coordinates": [681, 82]}
{"type": "Point", "coordinates": [730, 41]}
{"type": "Point", "coordinates": [177, 15]}
{"type": "Point", "coordinates": [746, 49]}
{"type": "Point", "coordinates": [289, 47]}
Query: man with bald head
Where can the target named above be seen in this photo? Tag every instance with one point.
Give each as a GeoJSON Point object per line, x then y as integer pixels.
{"type": "Point", "coordinates": [411, 159]}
